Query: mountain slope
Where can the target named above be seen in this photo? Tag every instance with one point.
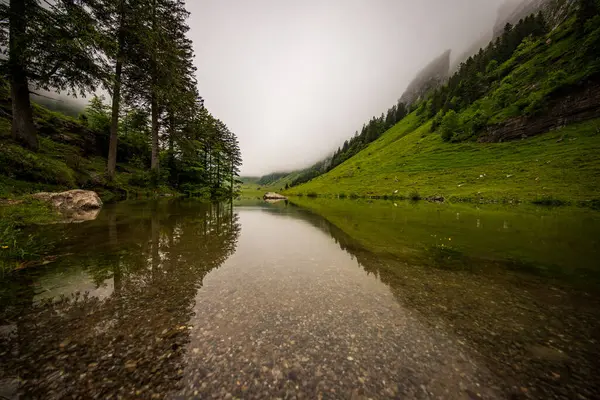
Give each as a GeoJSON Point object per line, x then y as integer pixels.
{"type": "Point", "coordinates": [563, 164]}
{"type": "Point", "coordinates": [439, 149]}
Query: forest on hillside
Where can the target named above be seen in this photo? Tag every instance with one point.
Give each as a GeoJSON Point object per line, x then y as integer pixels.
{"type": "Point", "coordinates": [137, 51]}
{"type": "Point", "coordinates": [509, 78]}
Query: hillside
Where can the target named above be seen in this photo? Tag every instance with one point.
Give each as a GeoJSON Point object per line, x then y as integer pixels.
{"type": "Point", "coordinates": [563, 164]}
{"type": "Point", "coordinates": [276, 182]}
{"type": "Point", "coordinates": [496, 131]}
{"type": "Point", "coordinates": [73, 155]}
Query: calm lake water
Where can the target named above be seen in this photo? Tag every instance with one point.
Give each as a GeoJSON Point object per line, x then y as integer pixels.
{"type": "Point", "coordinates": [319, 299]}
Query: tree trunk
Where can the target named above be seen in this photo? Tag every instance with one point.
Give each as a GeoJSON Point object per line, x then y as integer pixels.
{"type": "Point", "coordinates": [23, 129]}
{"type": "Point", "coordinates": [209, 168]}
{"type": "Point", "coordinates": [114, 125]}
{"type": "Point", "coordinates": [231, 183]}
{"type": "Point", "coordinates": [172, 147]}
{"type": "Point", "coordinates": [154, 165]}
{"type": "Point", "coordinates": [154, 162]}
{"type": "Point", "coordinates": [116, 99]}
{"type": "Point", "coordinates": [171, 135]}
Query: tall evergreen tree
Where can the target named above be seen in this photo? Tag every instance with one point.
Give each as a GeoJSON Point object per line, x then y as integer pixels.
{"type": "Point", "coordinates": [120, 22]}
{"type": "Point", "coordinates": [50, 45]}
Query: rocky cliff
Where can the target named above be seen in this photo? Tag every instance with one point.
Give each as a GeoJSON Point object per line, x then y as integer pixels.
{"type": "Point", "coordinates": [576, 105]}
{"type": "Point", "coordinates": [432, 76]}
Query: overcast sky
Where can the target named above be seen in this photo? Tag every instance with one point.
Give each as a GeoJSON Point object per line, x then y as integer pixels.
{"type": "Point", "coordinates": [294, 79]}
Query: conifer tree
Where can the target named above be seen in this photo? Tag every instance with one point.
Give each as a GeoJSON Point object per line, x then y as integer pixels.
{"type": "Point", "coordinates": [49, 46]}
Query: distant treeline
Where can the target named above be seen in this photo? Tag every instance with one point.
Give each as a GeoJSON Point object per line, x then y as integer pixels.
{"type": "Point", "coordinates": [268, 179]}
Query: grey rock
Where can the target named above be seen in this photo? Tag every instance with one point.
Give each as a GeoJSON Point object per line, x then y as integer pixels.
{"type": "Point", "coordinates": [274, 196]}
{"type": "Point", "coordinates": [76, 205]}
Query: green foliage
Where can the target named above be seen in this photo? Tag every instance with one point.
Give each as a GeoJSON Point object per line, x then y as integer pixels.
{"type": "Point", "coordinates": [271, 178]}
{"type": "Point", "coordinates": [491, 67]}
{"type": "Point", "coordinates": [16, 243]}
{"type": "Point", "coordinates": [162, 121]}
{"type": "Point", "coordinates": [515, 83]}
{"type": "Point", "coordinates": [549, 201]}
{"type": "Point", "coordinates": [22, 164]}
{"type": "Point", "coordinates": [47, 49]}
{"type": "Point", "coordinates": [450, 126]}
{"type": "Point", "coordinates": [98, 115]}
{"type": "Point", "coordinates": [414, 195]}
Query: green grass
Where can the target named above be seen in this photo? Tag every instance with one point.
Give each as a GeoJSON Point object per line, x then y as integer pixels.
{"type": "Point", "coordinates": [252, 191]}
{"type": "Point", "coordinates": [17, 245]}
{"type": "Point", "coordinates": [563, 165]}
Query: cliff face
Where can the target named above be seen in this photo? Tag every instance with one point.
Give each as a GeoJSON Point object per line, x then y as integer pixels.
{"type": "Point", "coordinates": [579, 105]}
{"type": "Point", "coordinates": [432, 76]}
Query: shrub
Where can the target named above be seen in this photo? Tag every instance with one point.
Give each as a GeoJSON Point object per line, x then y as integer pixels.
{"type": "Point", "coordinates": [491, 67]}
{"type": "Point", "coordinates": [35, 167]}
{"type": "Point", "coordinates": [142, 178]}
{"type": "Point", "coordinates": [195, 191]}
{"type": "Point", "coordinates": [414, 195]}
{"type": "Point", "coordinates": [549, 201]}
{"type": "Point", "coordinates": [450, 126]}
{"type": "Point", "coordinates": [437, 121]}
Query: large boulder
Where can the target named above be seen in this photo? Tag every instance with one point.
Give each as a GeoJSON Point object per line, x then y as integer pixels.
{"type": "Point", "coordinates": [274, 196]}
{"type": "Point", "coordinates": [75, 205]}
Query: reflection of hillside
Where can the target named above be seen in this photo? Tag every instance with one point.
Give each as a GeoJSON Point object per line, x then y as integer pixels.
{"type": "Point", "coordinates": [533, 332]}
{"type": "Point", "coordinates": [129, 344]}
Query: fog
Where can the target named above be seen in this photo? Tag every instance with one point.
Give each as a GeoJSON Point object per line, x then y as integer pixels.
{"type": "Point", "coordinates": [294, 79]}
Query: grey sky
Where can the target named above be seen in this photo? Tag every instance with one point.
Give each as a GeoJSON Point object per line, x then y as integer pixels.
{"type": "Point", "coordinates": [294, 79]}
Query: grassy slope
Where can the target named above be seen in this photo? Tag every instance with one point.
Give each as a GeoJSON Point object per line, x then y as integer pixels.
{"type": "Point", "coordinates": [250, 189]}
{"type": "Point", "coordinates": [57, 166]}
{"type": "Point", "coordinates": [538, 167]}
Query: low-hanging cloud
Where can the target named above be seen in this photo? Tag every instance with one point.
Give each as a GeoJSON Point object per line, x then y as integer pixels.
{"type": "Point", "coordinates": [294, 79]}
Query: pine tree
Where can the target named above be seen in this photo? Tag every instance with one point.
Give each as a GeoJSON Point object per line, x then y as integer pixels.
{"type": "Point", "coordinates": [49, 46]}
{"type": "Point", "coordinates": [120, 22]}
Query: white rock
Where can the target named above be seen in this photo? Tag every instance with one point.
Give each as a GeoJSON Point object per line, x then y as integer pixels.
{"type": "Point", "coordinates": [76, 205]}
{"type": "Point", "coordinates": [274, 196]}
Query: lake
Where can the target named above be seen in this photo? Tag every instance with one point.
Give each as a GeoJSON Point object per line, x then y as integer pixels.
{"type": "Point", "coordinates": [307, 299]}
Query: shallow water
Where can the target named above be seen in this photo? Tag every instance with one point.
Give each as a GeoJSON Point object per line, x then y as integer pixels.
{"type": "Point", "coordinates": [334, 299]}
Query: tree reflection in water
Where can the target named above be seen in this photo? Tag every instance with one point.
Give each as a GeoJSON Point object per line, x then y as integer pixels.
{"type": "Point", "coordinates": [130, 342]}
